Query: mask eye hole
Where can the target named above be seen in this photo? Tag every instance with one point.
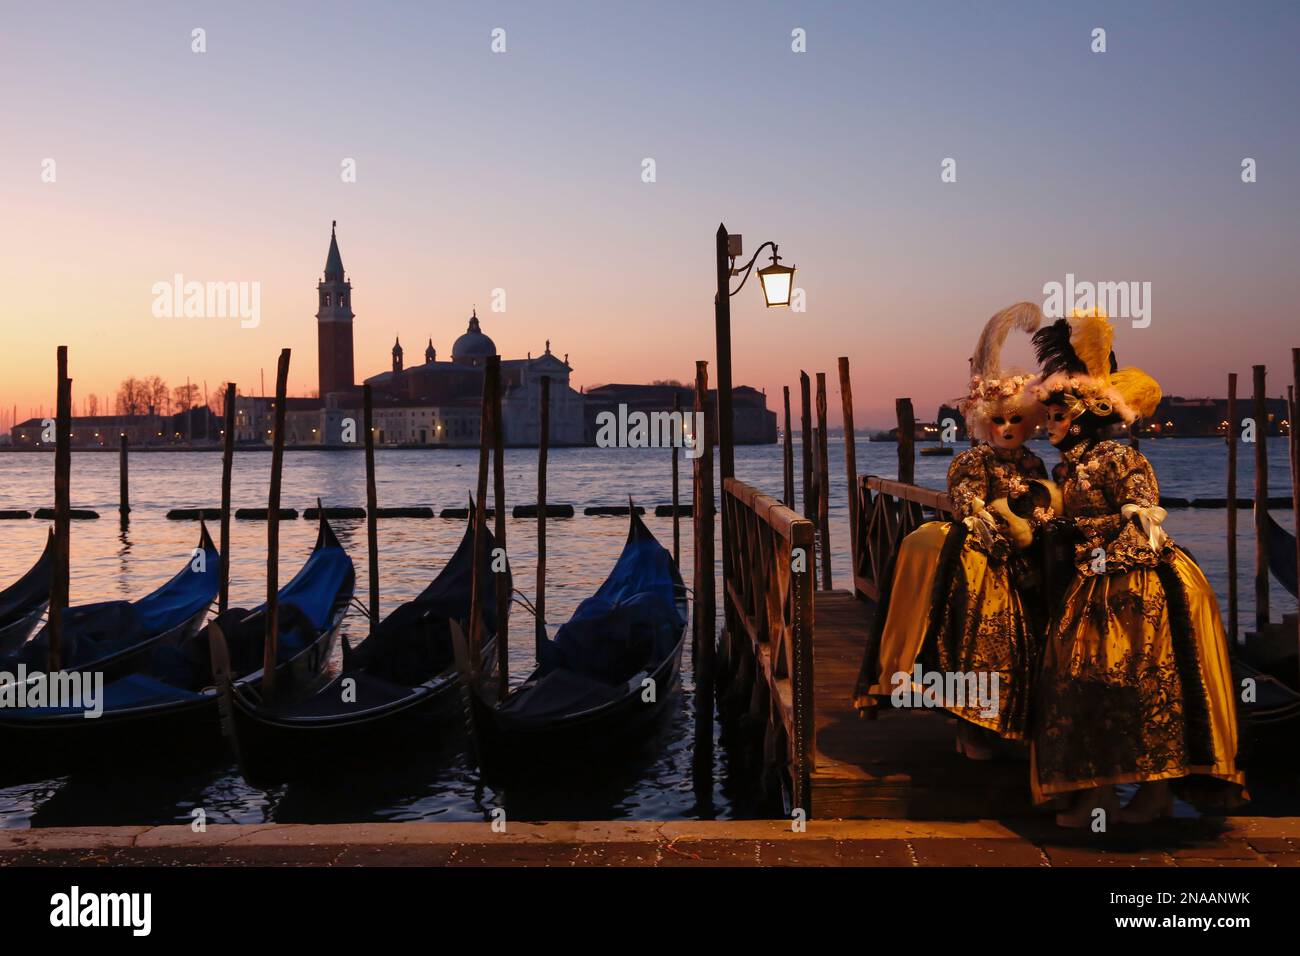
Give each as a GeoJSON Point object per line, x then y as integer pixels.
{"type": "Point", "coordinates": [999, 420]}
{"type": "Point", "coordinates": [1015, 419]}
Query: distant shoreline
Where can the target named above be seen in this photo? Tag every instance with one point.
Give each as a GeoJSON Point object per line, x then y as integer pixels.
{"type": "Point", "coordinates": [862, 437]}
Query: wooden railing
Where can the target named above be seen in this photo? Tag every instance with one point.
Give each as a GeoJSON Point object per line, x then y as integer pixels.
{"type": "Point", "coordinates": [887, 511]}
{"type": "Point", "coordinates": [770, 600]}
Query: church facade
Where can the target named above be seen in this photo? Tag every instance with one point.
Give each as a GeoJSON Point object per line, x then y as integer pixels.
{"type": "Point", "coordinates": [434, 403]}
{"type": "Point", "coordinates": [439, 402]}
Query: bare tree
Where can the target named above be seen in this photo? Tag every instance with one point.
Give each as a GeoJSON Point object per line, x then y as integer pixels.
{"type": "Point", "coordinates": [185, 396]}
{"type": "Point", "coordinates": [131, 397]}
{"type": "Point", "coordinates": [159, 395]}
{"type": "Point", "coordinates": [217, 400]}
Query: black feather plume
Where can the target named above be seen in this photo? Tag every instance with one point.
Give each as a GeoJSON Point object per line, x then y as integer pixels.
{"type": "Point", "coordinates": [1054, 351]}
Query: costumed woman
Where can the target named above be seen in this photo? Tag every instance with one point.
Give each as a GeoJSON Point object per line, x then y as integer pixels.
{"type": "Point", "coordinates": [952, 602]}
{"type": "Point", "coordinates": [1135, 685]}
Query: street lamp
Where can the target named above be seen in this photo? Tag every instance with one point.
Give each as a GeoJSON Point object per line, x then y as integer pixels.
{"type": "Point", "coordinates": [778, 285]}
{"type": "Point", "coordinates": [777, 282]}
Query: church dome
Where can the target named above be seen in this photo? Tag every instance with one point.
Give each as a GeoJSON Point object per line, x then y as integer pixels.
{"type": "Point", "coordinates": [472, 347]}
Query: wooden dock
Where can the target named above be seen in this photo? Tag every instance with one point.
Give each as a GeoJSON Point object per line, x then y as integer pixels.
{"type": "Point", "coordinates": [904, 763]}
{"type": "Point", "coordinates": [791, 656]}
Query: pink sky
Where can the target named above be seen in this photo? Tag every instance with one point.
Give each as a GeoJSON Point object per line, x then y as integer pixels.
{"type": "Point", "coordinates": [522, 171]}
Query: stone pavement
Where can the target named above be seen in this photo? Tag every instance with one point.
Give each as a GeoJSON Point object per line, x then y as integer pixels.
{"type": "Point", "coordinates": [1234, 841]}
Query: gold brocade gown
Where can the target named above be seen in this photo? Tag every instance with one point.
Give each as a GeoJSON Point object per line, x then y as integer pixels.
{"type": "Point", "coordinates": [952, 604]}
{"type": "Point", "coordinates": [1135, 682]}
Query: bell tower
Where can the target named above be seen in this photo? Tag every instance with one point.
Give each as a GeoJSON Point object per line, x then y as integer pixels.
{"type": "Point", "coordinates": [334, 324]}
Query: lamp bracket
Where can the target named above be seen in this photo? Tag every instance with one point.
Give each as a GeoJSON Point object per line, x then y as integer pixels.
{"type": "Point", "coordinates": [749, 266]}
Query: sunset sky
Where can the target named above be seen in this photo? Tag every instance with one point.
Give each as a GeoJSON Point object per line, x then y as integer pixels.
{"type": "Point", "coordinates": [522, 171]}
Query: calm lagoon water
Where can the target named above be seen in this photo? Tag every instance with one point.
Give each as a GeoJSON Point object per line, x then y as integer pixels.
{"type": "Point", "coordinates": [108, 562]}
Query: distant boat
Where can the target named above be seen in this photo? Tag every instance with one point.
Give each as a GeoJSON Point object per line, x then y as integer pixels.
{"type": "Point", "coordinates": [936, 450]}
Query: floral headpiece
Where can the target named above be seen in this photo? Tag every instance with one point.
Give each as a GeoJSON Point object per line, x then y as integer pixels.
{"type": "Point", "coordinates": [991, 389]}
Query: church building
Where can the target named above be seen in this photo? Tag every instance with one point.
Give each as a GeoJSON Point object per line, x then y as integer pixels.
{"type": "Point", "coordinates": [435, 403]}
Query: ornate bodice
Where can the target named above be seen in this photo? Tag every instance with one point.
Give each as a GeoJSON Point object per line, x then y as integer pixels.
{"type": "Point", "coordinates": [988, 473]}
{"type": "Point", "coordinates": [1098, 480]}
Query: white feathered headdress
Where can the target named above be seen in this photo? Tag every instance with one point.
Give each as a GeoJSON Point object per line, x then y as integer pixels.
{"type": "Point", "coordinates": [994, 391]}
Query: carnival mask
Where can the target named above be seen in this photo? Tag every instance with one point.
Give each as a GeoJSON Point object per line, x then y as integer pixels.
{"type": "Point", "coordinates": [1009, 430]}
{"type": "Point", "coordinates": [1058, 423]}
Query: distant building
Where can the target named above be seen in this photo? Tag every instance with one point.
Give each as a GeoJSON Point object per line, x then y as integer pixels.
{"type": "Point", "coordinates": [430, 404]}
{"type": "Point", "coordinates": [448, 395]}
{"type": "Point", "coordinates": [198, 426]}
{"type": "Point", "coordinates": [334, 324]}
{"type": "Point", "coordinates": [1189, 417]}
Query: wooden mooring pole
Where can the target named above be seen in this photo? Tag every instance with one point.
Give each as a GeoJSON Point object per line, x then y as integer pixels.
{"type": "Point", "coordinates": [850, 452]}
{"type": "Point", "coordinates": [677, 526]}
{"type": "Point", "coordinates": [1295, 462]}
{"type": "Point", "coordinates": [227, 466]}
{"type": "Point", "coordinates": [123, 481]}
{"type": "Point", "coordinates": [543, 444]}
{"type": "Point", "coordinates": [823, 483]}
{"type": "Point", "coordinates": [906, 441]}
{"type": "Point", "coordinates": [787, 470]}
{"type": "Point", "coordinates": [480, 527]}
{"type": "Point", "coordinates": [372, 505]}
{"type": "Point", "coordinates": [272, 637]}
{"type": "Point", "coordinates": [705, 619]}
{"type": "Point", "coordinates": [59, 576]}
{"type": "Point", "coordinates": [805, 422]}
{"type": "Point", "coordinates": [1261, 502]}
{"type": "Point", "coordinates": [1231, 439]}
{"type": "Point", "coordinates": [499, 500]}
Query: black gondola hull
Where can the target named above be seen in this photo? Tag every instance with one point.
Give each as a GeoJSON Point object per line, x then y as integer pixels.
{"type": "Point", "coordinates": [175, 734]}
{"type": "Point", "coordinates": [15, 634]}
{"type": "Point", "coordinates": [509, 747]}
{"type": "Point", "coordinates": [273, 748]}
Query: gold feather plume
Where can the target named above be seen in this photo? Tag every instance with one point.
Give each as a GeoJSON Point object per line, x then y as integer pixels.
{"type": "Point", "coordinates": [1140, 391]}
{"type": "Point", "coordinates": [1092, 336]}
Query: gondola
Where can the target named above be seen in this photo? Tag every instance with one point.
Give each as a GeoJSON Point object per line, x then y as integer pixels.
{"type": "Point", "coordinates": [115, 637]}
{"type": "Point", "coordinates": [395, 688]}
{"type": "Point", "coordinates": [24, 601]}
{"type": "Point", "coordinates": [1269, 719]}
{"type": "Point", "coordinates": [1280, 545]}
{"type": "Point", "coordinates": [169, 706]}
{"type": "Point", "coordinates": [605, 679]}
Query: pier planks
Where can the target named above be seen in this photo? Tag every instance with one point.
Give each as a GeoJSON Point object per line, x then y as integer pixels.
{"type": "Point", "coordinates": [904, 764]}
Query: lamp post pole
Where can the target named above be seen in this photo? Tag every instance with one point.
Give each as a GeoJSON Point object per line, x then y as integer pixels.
{"type": "Point", "coordinates": [722, 321]}
{"type": "Point", "coordinates": [726, 454]}
{"type": "Point", "coordinates": [778, 285]}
